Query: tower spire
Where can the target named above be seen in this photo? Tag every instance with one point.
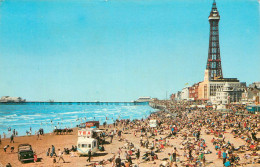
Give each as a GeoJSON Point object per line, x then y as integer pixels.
{"type": "Point", "coordinates": [214, 60]}
{"type": "Point", "coordinates": [214, 6]}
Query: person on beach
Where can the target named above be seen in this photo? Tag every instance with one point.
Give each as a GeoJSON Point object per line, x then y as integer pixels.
{"type": "Point", "coordinates": [138, 154]}
{"type": "Point", "coordinates": [129, 159]}
{"type": "Point", "coordinates": [174, 155]}
{"type": "Point", "coordinates": [12, 138]}
{"type": "Point", "coordinates": [0, 139]}
{"type": "Point", "coordinates": [171, 159]}
{"type": "Point", "coordinates": [48, 152]}
{"type": "Point", "coordinates": [118, 161]}
{"type": "Point", "coordinates": [8, 165]}
{"type": "Point", "coordinates": [219, 153]}
{"type": "Point", "coordinates": [6, 148]}
{"type": "Point", "coordinates": [125, 154]}
{"type": "Point", "coordinates": [35, 157]}
{"type": "Point", "coordinates": [38, 135]}
{"type": "Point", "coordinates": [111, 136]}
{"type": "Point", "coordinates": [52, 150]}
{"type": "Point", "coordinates": [89, 156]}
{"type": "Point", "coordinates": [190, 155]}
{"type": "Point", "coordinates": [12, 149]}
{"type": "Point", "coordinates": [119, 151]}
{"type": "Point", "coordinates": [227, 163]}
{"type": "Point", "coordinates": [224, 156]}
{"type": "Point", "coordinates": [60, 155]}
{"type": "Point", "coordinates": [119, 134]}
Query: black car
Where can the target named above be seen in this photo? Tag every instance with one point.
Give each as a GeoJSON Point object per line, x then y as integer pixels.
{"type": "Point", "coordinates": [25, 153]}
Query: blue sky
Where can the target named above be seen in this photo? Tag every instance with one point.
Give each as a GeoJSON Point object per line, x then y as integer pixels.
{"type": "Point", "coordinates": [87, 50]}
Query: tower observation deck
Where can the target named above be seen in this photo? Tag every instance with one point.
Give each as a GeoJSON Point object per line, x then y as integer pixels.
{"type": "Point", "coordinates": [214, 60]}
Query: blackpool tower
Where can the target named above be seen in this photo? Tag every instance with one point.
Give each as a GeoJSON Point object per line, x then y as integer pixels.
{"type": "Point", "coordinates": [214, 60]}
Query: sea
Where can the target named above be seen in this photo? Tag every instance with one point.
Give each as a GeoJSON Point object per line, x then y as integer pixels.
{"type": "Point", "coordinates": [24, 117]}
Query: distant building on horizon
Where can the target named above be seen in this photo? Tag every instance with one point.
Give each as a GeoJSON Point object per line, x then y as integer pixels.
{"type": "Point", "coordinates": [144, 99]}
{"type": "Point", "coordinates": [12, 99]}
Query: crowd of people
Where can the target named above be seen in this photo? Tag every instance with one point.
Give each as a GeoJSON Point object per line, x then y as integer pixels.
{"type": "Point", "coordinates": [178, 122]}
{"type": "Point", "coordinates": [183, 136]}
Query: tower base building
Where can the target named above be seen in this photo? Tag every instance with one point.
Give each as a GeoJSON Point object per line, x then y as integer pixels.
{"type": "Point", "coordinates": [213, 90]}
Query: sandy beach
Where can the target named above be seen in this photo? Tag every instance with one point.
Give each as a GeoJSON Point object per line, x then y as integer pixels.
{"type": "Point", "coordinates": [159, 138]}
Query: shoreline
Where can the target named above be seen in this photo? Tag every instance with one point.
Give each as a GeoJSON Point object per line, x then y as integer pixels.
{"type": "Point", "coordinates": [74, 103]}
{"type": "Point", "coordinates": [63, 116]}
{"type": "Point", "coordinates": [75, 128]}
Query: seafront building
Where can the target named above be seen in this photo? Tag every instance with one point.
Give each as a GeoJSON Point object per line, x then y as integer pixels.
{"type": "Point", "coordinates": [228, 94]}
{"type": "Point", "coordinates": [251, 94]}
{"type": "Point", "coordinates": [255, 85]}
{"type": "Point", "coordinates": [185, 93]}
{"type": "Point", "coordinates": [207, 89]}
{"type": "Point", "coordinates": [194, 91]}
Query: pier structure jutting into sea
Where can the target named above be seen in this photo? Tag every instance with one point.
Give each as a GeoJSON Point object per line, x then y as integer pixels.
{"type": "Point", "coordinates": [76, 103]}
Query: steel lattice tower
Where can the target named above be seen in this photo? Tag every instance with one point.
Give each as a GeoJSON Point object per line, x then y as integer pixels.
{"type": "Point", "coordinates": [214, 60]}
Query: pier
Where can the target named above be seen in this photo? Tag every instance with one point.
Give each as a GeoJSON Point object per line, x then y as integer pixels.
{"type": "Point", "coordinates": [162, 107]}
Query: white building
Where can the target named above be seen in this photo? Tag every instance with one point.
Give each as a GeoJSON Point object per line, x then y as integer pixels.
{"type": "Point", "coordinates": [178, 96]}
{"type": "Point", "coordinates": [208, 88]}
{"type": "Point", "coordinates": [185, 93]}
{"type": "Point", "coordinates": [255, 85]}
{"type": "Point", "coordinates": [251, 95]}
{"type": "Point", "coordinates": [228, 94]}
{"type": "Point", "coordinates": [144, 99]}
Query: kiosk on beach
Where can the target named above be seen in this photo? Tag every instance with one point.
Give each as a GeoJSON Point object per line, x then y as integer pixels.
{"type": "Point", "coordinates": [85, 144]}
{"type": "Point", "coordinates": [87, 140]}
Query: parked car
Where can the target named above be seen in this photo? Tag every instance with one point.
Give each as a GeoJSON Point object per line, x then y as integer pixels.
{"type": "Point", "coordinates": [25, 153]}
